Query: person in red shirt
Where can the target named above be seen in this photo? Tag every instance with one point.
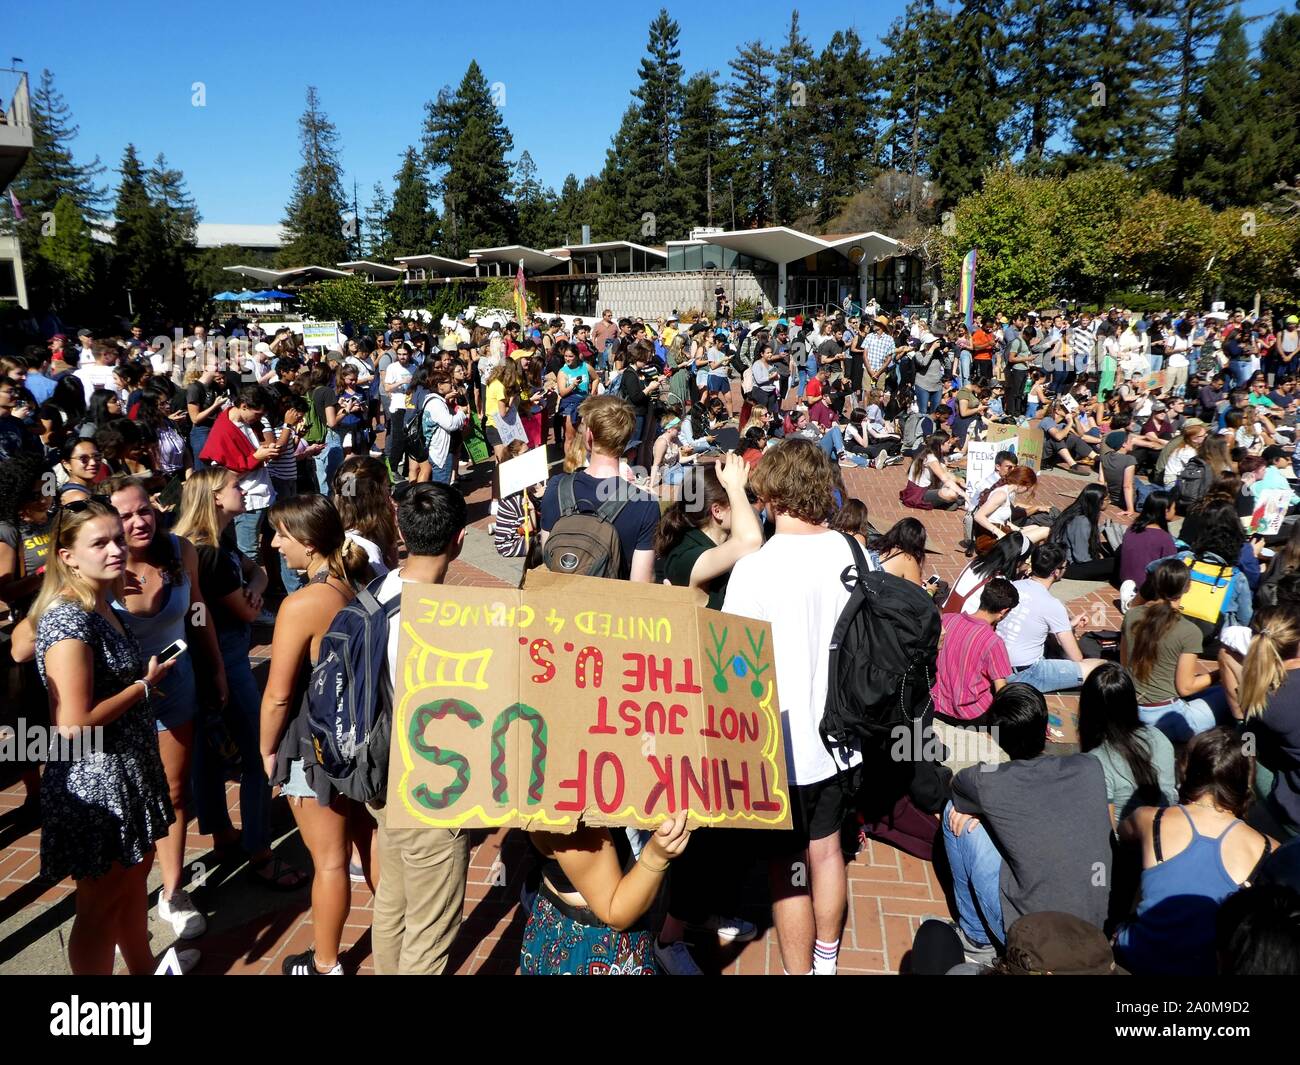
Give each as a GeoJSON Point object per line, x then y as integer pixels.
{"type": "Point", "coordinates": [973, 663]}
{"type": "Point", "coordinates": [982, 345]}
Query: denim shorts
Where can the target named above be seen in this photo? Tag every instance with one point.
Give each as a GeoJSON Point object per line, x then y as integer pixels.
{"type": "Point", "coordinates": [296, 787]}
{"type": "Point", "coordinates": [1049, 675]}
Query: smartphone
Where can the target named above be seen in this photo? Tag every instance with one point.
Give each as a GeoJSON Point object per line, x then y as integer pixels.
{"type": "Point", "coordinates": [932, 581]}
{"type": "Point", "coordinates": [171, 651]}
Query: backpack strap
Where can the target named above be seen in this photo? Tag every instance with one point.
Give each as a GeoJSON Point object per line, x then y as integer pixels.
{"type": "Point", "coordinates": [1155, 836]}
{"type": "Point", "coordinates": [567, 499]}
{"type": "Point", "coordinates": [860, 562]}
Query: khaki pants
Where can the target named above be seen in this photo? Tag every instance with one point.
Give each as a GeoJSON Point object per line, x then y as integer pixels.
{"type": "Point", "coordinates": [420, 899]}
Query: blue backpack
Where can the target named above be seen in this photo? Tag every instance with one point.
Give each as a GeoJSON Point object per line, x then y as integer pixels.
{"type": "Point", "coordinates": [349, 699]}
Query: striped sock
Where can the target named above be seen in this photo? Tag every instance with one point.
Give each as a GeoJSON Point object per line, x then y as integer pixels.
{"type": "Point", "coordinates": [825, 957]}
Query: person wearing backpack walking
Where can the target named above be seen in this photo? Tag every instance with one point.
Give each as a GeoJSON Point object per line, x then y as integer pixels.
{"type": "Point", "coordinates": [310, 535]}
{"type": "Point", "coordinates": [593, 522]}
{"type": "Point", "coordinates": [794, 582]}
{"type": "Point", "coordinates": [421, 894]}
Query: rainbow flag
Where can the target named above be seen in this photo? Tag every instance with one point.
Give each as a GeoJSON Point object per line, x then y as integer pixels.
{"type": "Point", "coordinates": [966, 296]}
{"type": "Point", "coordinates": [521, 296]}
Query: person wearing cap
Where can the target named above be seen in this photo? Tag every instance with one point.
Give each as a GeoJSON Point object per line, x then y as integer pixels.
{"type": "Point", "coordinates": [1280, 363]}
{"type": "Point", "coordinates": [1029, 835]}
{"type": "Point", "coordinates": [931, 369]}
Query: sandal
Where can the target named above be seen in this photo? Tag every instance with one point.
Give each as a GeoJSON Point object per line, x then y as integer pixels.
{"type": "Point", "coordinates": [278, 871]}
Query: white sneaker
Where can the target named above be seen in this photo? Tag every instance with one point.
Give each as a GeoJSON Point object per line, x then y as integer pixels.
{"type": "Point", "coordinates": [180, 912]}
{"type": "Point", "coordinates": [676, 959]}
{"type": "Point", "coordinates": [186, 962]}
{"type": "Point", "coordinates": [731, 929]}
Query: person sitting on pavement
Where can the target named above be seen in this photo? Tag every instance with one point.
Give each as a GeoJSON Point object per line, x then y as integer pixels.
{"type": "Point", "coordinates": [1191, 860]}
{"type": "Point", "coordinates": [1029, 835]}
{"type": "Point", "coordinates": [1077, 532]}
{"type": "Point", "coordinates": [930, 484]}
{"type": "Point", "coordinates": [973, 665]}
{"type": "Point", "coordinates": [1117, 473]}
{"type": "Point", "coordinates": [1038, 615]}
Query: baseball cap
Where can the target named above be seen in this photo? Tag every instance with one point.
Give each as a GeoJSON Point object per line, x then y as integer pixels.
{"type": "Point", "coordinates": [84, 333]}
{"type": "Point", "coordinates": [1292, 319]}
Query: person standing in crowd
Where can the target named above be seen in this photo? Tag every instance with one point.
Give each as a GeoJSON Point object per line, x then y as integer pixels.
{"type": "Point", "coordinates": [794, 582]}
{"type": "Point", "coordinates": [1268, 700]}
{"type": "Point", "coordinates": [607, 426]}
{"type": "Point", "coordinates": [97, 678]}
{"type": "Point", "coordinates": [310, 535]}
{"type": "Point", "coordinates": [327, 417]}
{"type": "Point", "coordinates": [441, 419]}
{"type": "Point", "coordinates": [232, 587]}
{"type": "Point", "coordinates": [396, 385]}
{"type": "Point", "coordinates": [422, 890]}
{"type": "Point", "coordinates": [160, 602]}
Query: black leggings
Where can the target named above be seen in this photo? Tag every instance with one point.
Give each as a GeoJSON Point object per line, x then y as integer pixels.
{"type": "Point", "coordinates": [1099, 569]}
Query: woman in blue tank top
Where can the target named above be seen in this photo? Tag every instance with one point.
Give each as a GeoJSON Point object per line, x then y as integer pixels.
{"type": "Point", "coordinates": [1194, 856]}
{"type": "Point", "coordinates": [157, 605]}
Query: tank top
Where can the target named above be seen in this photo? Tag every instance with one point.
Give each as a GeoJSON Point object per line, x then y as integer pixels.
{"type": "Point", "coordinates": [167, 623]}
{"type": "Point", "coordinates": [1173, 931]}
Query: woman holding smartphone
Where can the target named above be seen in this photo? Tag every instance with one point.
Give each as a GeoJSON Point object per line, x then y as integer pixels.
{"type": "Point", "coordinates": [97, 678]}
{"type": "Point", "coordinates": [160, 603]}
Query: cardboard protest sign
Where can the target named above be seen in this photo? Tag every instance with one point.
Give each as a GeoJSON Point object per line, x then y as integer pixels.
{"type": "Point", "coordinates": [1271, 506]}
{"type": "Point", "coordinates": [1026, 442]}
{"type": "Point", "coordinates": [1155, 381]}
{"type": "Point", "coordinates": [979, 461]}
{"type": "Point", "coordinates": [579, 699]}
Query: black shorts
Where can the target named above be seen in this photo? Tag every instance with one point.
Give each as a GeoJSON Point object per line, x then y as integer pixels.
{"type": "Point", "coordinates": [816, 811]}
{"type": "Point", "coordinates": [492, 437]}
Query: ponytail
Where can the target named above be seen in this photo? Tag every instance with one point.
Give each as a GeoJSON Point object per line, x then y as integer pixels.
{"type": "Point", "coordinates": [1264, 671]}
{"type": "Point", "coordinates": [350, 563]}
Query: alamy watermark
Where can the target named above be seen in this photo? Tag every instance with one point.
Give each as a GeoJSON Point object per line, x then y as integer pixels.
{"type": "Point", "coordinates": [32, 742]}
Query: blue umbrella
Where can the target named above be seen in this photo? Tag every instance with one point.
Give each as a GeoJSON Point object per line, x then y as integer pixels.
{"type": "Point", "coordinates": [225, 296]}
{"type": "Point", "coordinates": [276, 294]}
{"type": "Point", "coordinates": [245, 295]}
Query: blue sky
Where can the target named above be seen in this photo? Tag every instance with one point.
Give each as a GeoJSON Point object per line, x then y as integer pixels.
{"type": "Point", "coordinates": [568, 66]}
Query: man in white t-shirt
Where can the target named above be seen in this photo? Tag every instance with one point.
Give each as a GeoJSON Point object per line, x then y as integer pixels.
{"type": "Point", "coordinates": [1039, 613]}
{"type": "Point", "coordinates": [422, 892]}
{"type": "Point", "coordinates": [793, 582]}
{"type": "Point", "coordinates": [397, 385]}
{"type": "Point", "coordinates": [99, 372]}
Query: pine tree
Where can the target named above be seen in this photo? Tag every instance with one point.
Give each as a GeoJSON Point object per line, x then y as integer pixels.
{"type": "Point", "coordinates": [51, 174]}
{"type": "Point", "coordinates": [1119, 111]}
{"type": "Point", "coordinates": [968, 130]}
{"type": "Point", "coordinates": [536, 207]}
{"type": "Point", "coordinates": [1224, 155]}
{"type": "Point", "coordinates": [914, 84]}
{"type": "Point", "coordinates": [703, 155]}
{"type": "Point", "coordinates": [173, 202]}
{"type": "Point", "coordinates": [377, 240]}
{"type": "Point", "coordinates": [794, 177]}
{"type": "Point", "coordinates": [654, 186]}
{"type": "Point", "coordinates": [615, 215]}
{"type": "Point", "coordinates": [412, 224]}
{"type": "Point", "coordinates": [465, 145]}
{"type": "Point", "coordinates": [572, 209]}
{"type": "Point", "coordinates": [137, 235]}
{"type": "Point", "coordinates": [1043, 67]}
{"type": "Point", "coordinates": [750, 107]}
{"type": "Point", "coordinates": [1279, 92]}
{"type": "Point", "coordinates": [1194, 28]}
{"type": "Point", "coordinates": [313, 220]}
{"type": "Point", "coordinates": [844, 99]}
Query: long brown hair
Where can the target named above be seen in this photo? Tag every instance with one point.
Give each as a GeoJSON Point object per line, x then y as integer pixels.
{"type": "Point", "coordinates": [1167, 582]}
{"type": "Point", "coordinates": [160, 554]}
{"type": "Point", "coordinates": [364, 501]}
{"type": "Point", "coordinates": [693, 511]}
{"type": "Point", "coordinates": [312, 519]}
{"type": "Point", "coordinates": [1215, 454]}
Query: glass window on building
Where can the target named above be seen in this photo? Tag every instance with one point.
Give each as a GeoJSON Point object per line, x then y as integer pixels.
{"type": "Point", "coordinates": [8, 280]}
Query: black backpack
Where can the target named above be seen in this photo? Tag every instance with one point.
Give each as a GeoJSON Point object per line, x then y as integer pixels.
{"type": "Point", "coordinates": [1192, 483]}
{"type": "Point", "coordinates": [414, 443]}
{"type": "Point", "coordinates": [585, 542]}
{"type": "Point", "coordinates": [883, 658]}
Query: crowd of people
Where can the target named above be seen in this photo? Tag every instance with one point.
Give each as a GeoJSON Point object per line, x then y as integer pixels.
{"type": "Point", "coordinates": [156, 495]}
